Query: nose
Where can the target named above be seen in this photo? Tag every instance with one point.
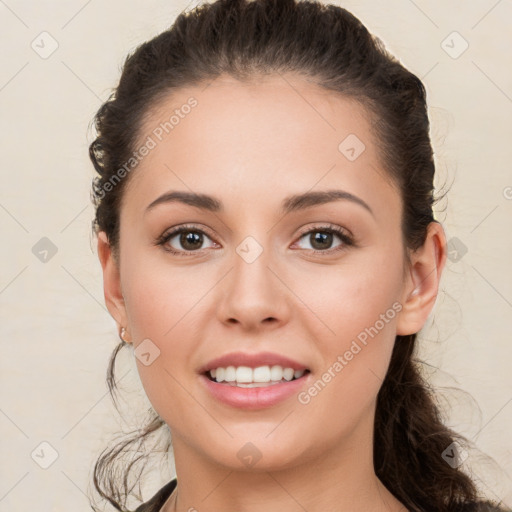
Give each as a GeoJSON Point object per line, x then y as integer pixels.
{"type": "Point", "coordinates": [253, 294]}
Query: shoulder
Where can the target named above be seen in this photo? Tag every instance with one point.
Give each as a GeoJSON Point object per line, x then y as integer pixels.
{"type": "Point", "coordinates": [156, 502]}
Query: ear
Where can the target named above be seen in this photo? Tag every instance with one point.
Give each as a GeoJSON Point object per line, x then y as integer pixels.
{"type": "Point", "coordinates": [112, 284]}
{"type": "Point", "coordinates": [422, 285]}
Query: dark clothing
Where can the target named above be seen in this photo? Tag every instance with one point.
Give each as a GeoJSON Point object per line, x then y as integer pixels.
{"type": "Point", "coordinates": [157, 501]}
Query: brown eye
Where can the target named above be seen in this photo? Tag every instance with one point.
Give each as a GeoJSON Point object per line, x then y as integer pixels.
{"type": "Point", "coordinates": [184, 241]}
{"type": "Point", "coordinates": [321, 239]}
{"type": "Point", "coordinates": [191, 240]}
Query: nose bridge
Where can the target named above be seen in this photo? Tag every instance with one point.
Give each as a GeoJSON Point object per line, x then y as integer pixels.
{"type": "Point", "coordinates": [252, 293]}
{"type": "Point", "coordinates": [252, 281]}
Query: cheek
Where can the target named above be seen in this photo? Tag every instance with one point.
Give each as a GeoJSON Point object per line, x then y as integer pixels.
{"type": "Point", "coordinates": [161, 304]}
{"type": "Point", "coordinates": [354, 324]}
{"type": "Point", "coordinates": [345, 299]}
{"type": "Point", "coordinates": [160, 298]}
{"type": "Point", "coordinates": [354, 361]}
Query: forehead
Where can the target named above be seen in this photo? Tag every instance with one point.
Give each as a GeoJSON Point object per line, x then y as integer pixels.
{"type": "Point", "coordinates": [284, 112]}
{"type": "Point", "coordinates": [272, 136]}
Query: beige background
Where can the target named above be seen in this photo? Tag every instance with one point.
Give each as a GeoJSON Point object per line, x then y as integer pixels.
{"type": "Point", "coordinates": [56, 333]}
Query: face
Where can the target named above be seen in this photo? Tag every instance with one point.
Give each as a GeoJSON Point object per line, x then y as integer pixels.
{"type": "Point", "coordinates": [260, 275]}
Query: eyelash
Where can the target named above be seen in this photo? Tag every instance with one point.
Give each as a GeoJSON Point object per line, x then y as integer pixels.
{"type": "Point", "coordinates": [347, 240]}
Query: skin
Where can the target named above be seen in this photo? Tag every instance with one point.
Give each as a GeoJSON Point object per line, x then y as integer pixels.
{"type": "Point", "coordinates": [251, 145]}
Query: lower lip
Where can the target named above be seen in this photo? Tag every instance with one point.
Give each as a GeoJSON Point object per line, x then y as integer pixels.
{"type": "Point", "coordinates": [254, 398]}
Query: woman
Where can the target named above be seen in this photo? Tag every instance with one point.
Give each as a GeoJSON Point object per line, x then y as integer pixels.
{"type": "Point", "coordinates": [268, 246]}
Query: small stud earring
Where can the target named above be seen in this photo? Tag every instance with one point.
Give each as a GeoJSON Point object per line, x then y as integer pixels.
{"type": "Point", "coordinates": [123, 332]}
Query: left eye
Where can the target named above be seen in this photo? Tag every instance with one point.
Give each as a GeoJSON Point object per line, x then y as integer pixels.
{"type": "Point", "coordinates": [321, 239]}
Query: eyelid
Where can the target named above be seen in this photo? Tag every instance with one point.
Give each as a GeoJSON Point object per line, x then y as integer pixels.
{"type": "Point", "coordinates": [187, 227]}
{"type": "Point", "coordinates": [325, 225]}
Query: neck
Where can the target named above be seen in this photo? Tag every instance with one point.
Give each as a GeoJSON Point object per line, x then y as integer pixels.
{"type": "Point", "coordinates": [340, 477]}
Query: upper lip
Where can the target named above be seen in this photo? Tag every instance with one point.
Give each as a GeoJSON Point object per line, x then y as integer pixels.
{"type": "Point", "coordinates": [252, 360]}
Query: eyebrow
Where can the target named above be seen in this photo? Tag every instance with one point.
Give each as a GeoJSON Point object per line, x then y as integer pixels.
{"type": "Point", "coordinates": [290, 204]}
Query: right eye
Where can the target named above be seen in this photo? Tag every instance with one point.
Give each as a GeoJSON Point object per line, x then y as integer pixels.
{"type": "Point", "coordinates": [189, 237]}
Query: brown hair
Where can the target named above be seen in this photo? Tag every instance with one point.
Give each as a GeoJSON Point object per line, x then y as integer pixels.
{"type": "Point", "coordinates": [331, 48]}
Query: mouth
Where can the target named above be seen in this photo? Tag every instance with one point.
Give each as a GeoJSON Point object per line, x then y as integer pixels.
{"type": "Point", "coordinates": [261, 387]}
{"type": "Point", "coordinates": [258, 377]}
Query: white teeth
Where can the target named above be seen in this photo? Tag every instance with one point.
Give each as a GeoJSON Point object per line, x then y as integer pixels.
{"type": "Point", "coordinates": [244, 374]}
{"type": "Point", "coordinates": [288, 373]}
{"type": "Point", "coordinates": [254, 377]}
{"type": "Point", "coordinates": [230, 374]}
{"type": "Point", "coordinates": [276, 373]}
{"type": "Point", "coordinates": [219, 374]}
{"type": "Point", "coordinates": [261, 374]}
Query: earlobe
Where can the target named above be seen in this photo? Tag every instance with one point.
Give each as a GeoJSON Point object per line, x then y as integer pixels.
{"type": "Point", "coordinates": [421, 288]}
{"type": "Point", "coordinates": [114, 299]}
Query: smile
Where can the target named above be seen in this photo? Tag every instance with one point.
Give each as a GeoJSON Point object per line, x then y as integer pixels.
{"type": "Point", "coordinates": [247, 377]}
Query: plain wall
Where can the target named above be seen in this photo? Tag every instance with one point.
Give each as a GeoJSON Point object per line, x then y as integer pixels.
{"type": "Point", "coordinates": [57, 335]}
